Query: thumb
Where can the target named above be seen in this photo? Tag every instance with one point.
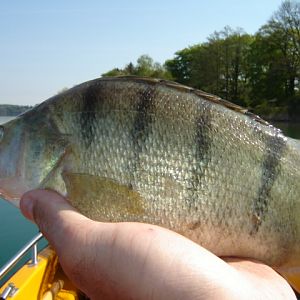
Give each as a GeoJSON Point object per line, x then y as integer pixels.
{"type": "Point", "coordinates": [52, 214]}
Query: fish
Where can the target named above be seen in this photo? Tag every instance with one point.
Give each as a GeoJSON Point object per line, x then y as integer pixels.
{"type": "Point", "coordinates": [132, 149]}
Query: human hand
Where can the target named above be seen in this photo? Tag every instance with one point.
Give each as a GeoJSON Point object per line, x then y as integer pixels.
{"type": "Point", "coordinates": [142, 261]}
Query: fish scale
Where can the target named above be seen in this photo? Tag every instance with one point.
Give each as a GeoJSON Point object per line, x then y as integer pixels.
{"type": "Point", "coordinates": [147, 150]}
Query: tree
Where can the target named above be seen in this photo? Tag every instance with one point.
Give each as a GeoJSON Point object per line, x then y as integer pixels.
{"type": "Point", "coordinates": [286, 23]}
{"type": "Point", "coordinates": [62, 90]}
{"type": "Point", "coordinates": [145, 67]}
{"type": "Point", "coordinates": [180, 66]}
{"type": "Point", "coordinates": [275, 55]}
{"type": "Point", "coordinates": [114, 72]}
{"type": "Point", "coordinates": [261, 70]}
{"type": "Point", "coordinates": [130, 69]}
{"type": "Point", "coordinates": [216, 66]}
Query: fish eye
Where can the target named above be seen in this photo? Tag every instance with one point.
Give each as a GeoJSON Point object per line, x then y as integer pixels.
{"type": "Point", "coordinates": [1, 133]}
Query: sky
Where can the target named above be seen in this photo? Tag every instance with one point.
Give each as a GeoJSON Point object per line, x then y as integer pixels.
{"type": "Point", "coordinates": [46, 46]}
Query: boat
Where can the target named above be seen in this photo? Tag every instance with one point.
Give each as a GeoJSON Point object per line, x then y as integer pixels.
{"type": "Point", "coordinates": [40, 278]}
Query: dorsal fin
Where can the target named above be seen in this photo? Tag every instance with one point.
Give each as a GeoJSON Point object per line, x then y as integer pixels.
{"type": "Point", "coordinates": [167, 83]}
{"type": "Point", "coordinates": [200, 93]}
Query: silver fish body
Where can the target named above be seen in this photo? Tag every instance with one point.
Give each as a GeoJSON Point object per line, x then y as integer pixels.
{"type": "Point", "coordinates": [145, 150]}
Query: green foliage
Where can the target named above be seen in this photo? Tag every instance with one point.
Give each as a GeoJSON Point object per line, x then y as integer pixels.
{"type": "Point", "coordinates": [114, 72]}
{"type": "Point", "coordinates": [181, 67]}
{"type": "Point", "coordinates": [260, 71]}
{"type": "Point", "coordinates": [64, 89]}
{"type": "Point", "coordinates": [217, 66]}
{"type": "Point", "coordinates": [145, 67]}
{"type": "Point", "coordinates": [275, 56]}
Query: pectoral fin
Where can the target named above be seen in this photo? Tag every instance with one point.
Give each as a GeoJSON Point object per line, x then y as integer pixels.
{"type": "Point", "coordinates": [103, 199]}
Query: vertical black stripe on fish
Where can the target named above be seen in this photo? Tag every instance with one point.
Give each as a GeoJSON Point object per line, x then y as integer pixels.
{"type": "Point", "coordinates": [275, 145]}
{"type": "Point", "coordinates": [90, 99]}
{"type": "Point", "coordinates": [203, 141]}
{"type": "Point", "coordinates": [142, 123]}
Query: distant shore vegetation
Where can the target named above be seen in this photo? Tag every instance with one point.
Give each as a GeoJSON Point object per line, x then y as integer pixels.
{"type": "Point", "coordinates": [260, 71]}
{"type": "Point", "coordinates": [13, 110]}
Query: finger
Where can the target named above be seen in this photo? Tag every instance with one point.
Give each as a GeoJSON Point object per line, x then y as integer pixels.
{"type": "Point", "coordinates": [148, 260]}
{"type": "Point", "coordinates": [263, 277]}
{"type": "Point", "coordinates": [52, 213]}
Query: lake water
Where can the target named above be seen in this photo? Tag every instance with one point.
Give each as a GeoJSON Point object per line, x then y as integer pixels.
{"type": "Point", "coordinates": [289, 129]}
{"type": "Point", "coordinates": [15, 230]}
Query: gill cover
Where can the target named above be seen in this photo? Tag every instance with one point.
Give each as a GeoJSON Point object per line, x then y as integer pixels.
{"type": "Point", "coordinates": [30, 148]}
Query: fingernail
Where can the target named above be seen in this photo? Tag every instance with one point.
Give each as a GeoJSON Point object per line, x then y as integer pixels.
{"type": "Point", "coordinates": [26, 206]}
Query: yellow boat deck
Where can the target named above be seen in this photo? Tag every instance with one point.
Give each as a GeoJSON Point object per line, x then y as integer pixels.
{"type": "Point", "coordinates": [44, 280]}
